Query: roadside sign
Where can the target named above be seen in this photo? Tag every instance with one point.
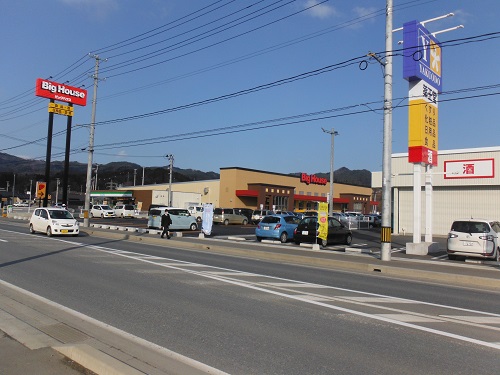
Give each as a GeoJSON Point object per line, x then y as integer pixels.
{"type": "Point", "coordinates": [61, 109]}
{"type": "Point", "coordinates": [41, 189]}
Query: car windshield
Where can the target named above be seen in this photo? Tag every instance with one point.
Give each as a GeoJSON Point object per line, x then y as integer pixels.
{"type": "Point", "coordinates": [270, 220]}
{"type": "Point", "coordinates": [470, 227]}
{"type": "Point", "coordinates": [106, 207]}
{"type": "Point", "coordinates": [128, 207]}
{"type": "Point", "coordinates": [60, 214]}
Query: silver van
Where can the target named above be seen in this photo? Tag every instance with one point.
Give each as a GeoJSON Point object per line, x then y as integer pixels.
{"type": "Point", "coordinates": [181, 218]}
{"type": "Point", "coordinates": [228, 216]}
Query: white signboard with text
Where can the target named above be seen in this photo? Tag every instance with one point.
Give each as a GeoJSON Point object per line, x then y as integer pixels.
{"type": "Point", "coordinates": [475, 168]}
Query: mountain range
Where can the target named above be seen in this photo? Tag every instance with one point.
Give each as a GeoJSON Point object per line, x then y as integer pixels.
{"type": "Point", "coordinates": [122, 173]}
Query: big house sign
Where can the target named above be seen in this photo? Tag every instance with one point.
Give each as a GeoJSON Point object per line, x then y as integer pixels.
{"type": "Point", "coordinates": [61, 92]}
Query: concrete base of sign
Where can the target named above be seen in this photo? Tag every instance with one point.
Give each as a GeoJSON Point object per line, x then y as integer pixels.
{"type": "Point", "coordinates": [201, 235]}
{"type": "Point", "coordinates": [315, 246]}
{"type": "Point", "coordinates": [422, 248]}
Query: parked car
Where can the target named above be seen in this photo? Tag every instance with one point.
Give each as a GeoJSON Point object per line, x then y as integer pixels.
{"type": "Point", "coordinates": [197, 212]}
{"type": "Point", "coordinates": [125, 210]}
{"type": "Point", "coordinates": [344, 218]}
{"type": "Point", "coordinates": [277, 226]}
{"type": "Point", "coordinates": [102, 210]}
{"type": "Point", "coordinates": [53, 221]}
{"type": "Point", "coordinates": [258, 215]}
{"type": "Point", "coordinates": [228, 216]}
{"type": "Point", "coordinates": [181, 218]}
{"type": "Point", "coordinates": [370, 221]}
{"type": "Point", "coordinates": [289, 213]}
{"type": "Point", "coordinates": [307, 231]}
{"type": "Point", "coordinates": [473, 238]}
{"type": "Point", "coordinates": [246, 212]}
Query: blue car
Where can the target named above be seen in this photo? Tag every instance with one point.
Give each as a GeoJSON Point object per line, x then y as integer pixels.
{"type": "Point", "coordinates": [279, 227]}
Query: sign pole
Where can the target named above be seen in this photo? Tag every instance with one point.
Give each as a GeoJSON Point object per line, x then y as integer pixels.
{"type": "Point", "coordinates": [66, 159]}
{"type": "Point", "coordinates": [47, 158]}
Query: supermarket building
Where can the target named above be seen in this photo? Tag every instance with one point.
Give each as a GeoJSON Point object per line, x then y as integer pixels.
{"type": "Point", "coordinates": [250, 188]}
{"type": "Point", "coordinates": [465, 184]}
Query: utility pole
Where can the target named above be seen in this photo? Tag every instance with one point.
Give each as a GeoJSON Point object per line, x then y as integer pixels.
{"type": "Point", "coordinates": [143, 176]}
{"type": "Point", "coordinates": [135, 174]}
{"type": "Point", "coordinates": [333, 133]}
{"type": "Point", "coordinates": [91, 144]}
{"type": "Point", "coordinates": [386, 230]}
{"type": "Point", "coordinates": [171, 159]}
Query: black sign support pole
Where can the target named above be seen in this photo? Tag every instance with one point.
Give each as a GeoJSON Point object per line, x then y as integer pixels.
{"type": "Point", "coordinates": [66, 159]}
{"type": "Point", "coordinates": [47, 158]}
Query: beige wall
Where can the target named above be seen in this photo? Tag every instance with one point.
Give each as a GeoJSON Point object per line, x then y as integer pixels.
{"type": "Point", "coordinates": [233, 179]}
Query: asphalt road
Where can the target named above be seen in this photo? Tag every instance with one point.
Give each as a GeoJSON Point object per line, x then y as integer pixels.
{"type": "Point", "coordinates": [244, 316]}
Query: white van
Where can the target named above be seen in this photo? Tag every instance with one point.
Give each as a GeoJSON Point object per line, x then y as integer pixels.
{"type": "Point", "coordinates": [473, 238]}
{"type": "Point", "coordinates": [196, 211]}
{"type": "Point", "coordinates": [181, 218]}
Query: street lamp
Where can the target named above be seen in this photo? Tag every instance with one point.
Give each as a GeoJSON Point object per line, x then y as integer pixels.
{"type": "Point", "coordinates": [333, 133]}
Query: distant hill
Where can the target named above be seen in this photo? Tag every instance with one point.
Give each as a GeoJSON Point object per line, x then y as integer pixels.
{"type": "Point", "coordinates": [122, 173]}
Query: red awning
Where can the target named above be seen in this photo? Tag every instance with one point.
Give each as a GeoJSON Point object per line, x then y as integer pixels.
{"type": "Point", "coordinates": [247, 193]}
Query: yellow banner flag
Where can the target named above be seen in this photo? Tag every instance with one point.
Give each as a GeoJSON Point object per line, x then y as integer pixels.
{"type": "Point", "coordinates": [323, 220]}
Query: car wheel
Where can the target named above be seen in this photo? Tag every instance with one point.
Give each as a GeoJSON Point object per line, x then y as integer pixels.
{"type": "Point", "coordinates": [322, 242]}
{"type": "Point", "coordinates": [259, 238]}
{"type": "Point", "coordinates": [245, 222]}
{"type": "Point", "coordinates": [452, 257]}
{"type": "Point", "coordinates": [31, 229]}
{"type": "Point", "coordinates": [348, 239]}
{"type": "Point", "coordinates": [49, 232]}
{"type": "Point", "coordinates": [193, 226]}
{"type": "Point", "coordinates": [283, 237]}
{"type": "Point", "coordinates": [91, 215]}
{"type": "Point", "coordinates": [102, 216]}
{"type": "Point", "coordinates": [226, 222]}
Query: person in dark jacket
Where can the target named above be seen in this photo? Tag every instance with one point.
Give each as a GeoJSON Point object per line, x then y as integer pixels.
{"type": "Point", "coordinates": [165, 223]}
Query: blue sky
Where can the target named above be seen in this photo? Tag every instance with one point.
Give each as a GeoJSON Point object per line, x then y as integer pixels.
{"type": "Point", "coordinates": [166, 55]}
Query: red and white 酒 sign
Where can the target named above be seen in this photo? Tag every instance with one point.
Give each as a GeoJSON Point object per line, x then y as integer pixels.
{"type": "Point", "coordinates": [475, 168]}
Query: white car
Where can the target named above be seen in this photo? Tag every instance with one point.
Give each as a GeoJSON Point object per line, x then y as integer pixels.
{"type": "Point", "coordinates": [54, 221]}
{"type": "Point", "coordinates": [102, 210]}
{"type": "Point", "coordinates": [125, 210]}
{"type": "Point", "coordinates": [473, 238]}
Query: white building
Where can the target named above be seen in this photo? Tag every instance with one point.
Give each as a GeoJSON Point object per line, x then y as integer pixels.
{"type": "Point", "coordinates": [465, 183]}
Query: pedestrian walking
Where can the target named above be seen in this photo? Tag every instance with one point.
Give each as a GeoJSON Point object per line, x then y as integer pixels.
{"type": "Point", "coordinates": [165, 223]}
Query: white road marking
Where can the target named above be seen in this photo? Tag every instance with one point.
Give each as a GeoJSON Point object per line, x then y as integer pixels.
{"type": "Point", "coordinates": [388, 318]}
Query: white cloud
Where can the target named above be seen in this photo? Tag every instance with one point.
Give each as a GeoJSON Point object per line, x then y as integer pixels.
{"type": "Point", "coordinates": [95, 8]}
{"type": "Point", "coordinates": [364, 12]}
{"type": "Point", "coordinates": [320, 10]}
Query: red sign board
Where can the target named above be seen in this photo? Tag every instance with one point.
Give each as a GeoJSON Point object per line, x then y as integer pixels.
{"type": "Point", "coordinates": [61, 92]}
{"type": "Point", "coordinates": [313, 179]}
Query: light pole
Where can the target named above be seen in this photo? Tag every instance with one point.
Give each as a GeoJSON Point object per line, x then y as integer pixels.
{"type": "Point", "coordinates": [135, 174]}
{"type": "Point", "coordinates": [171, 160]}
{"type": "Point", "coordinates": [31, 197]}
{"type": "Point", "coordinates": [333, 133]}
{"type": "Point", "coordinates": [57, 190]}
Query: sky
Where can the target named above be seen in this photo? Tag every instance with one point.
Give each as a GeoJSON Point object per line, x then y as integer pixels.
{"type": "Point", "coordinates": [239, 83]}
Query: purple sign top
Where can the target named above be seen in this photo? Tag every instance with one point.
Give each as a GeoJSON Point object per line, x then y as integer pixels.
{"type": "Point", "coordinates": [422, 55]}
